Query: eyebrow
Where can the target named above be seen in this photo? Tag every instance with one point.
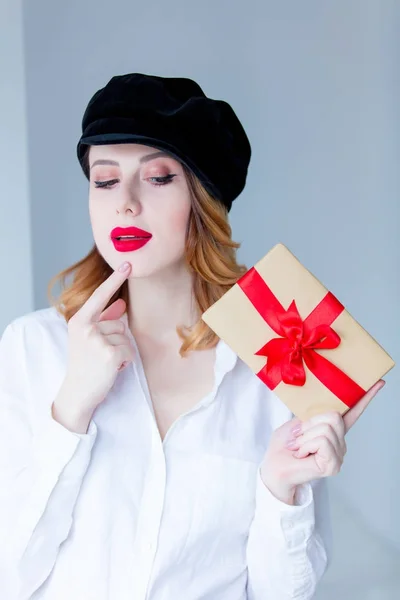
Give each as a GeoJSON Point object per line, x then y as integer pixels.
{"type": "Point", "coordinates": [143, 159]}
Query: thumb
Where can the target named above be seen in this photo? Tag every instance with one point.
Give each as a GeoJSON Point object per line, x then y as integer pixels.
{"type": "Point", "coordinates": [114, 311]}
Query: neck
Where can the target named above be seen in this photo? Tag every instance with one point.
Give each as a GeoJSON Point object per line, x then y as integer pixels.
{"type": "Point", "coordinates": [161, 302]}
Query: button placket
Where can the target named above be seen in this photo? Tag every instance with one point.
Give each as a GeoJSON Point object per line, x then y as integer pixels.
{"type": "Point", "coordinates": [149, 520]}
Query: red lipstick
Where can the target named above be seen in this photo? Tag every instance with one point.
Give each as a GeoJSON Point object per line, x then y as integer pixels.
{"type": "Point", "coordinates": [128, 239]}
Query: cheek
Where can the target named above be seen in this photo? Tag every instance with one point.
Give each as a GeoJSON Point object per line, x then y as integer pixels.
{"type": "Point", "coordinates": [100, 230]}
{"type": "Point", "coordinates": [94, 220]}
{"type": "Point", "coordinates": [93, 213]}
{"type": "Point", "coordinates": [179, 220]}
{"type": "Point", "coordinates": [98, 214]}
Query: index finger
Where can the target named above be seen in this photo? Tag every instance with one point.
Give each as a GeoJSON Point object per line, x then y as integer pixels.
{"type": "Point", "coordinates": [99, 299]}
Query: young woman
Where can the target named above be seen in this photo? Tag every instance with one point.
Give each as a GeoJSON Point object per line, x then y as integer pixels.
{"type": "Point", "coordinates": [140, 457]}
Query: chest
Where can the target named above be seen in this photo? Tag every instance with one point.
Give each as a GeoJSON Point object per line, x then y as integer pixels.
{"type": "Point", "coordinates": [176, 383]}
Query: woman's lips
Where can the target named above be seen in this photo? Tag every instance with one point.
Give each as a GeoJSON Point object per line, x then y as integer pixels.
{"type": "Point", "coordinates": [136, 239]}
{"type": "Point", "coordinates": [129, 245]}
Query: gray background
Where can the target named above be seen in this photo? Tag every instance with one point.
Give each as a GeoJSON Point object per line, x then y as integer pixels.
{"type": "Point", "coordinates": [316, 86]}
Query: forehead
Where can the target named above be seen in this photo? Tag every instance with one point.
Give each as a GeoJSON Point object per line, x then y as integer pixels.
{"type": "Point", "coordinates": [128, 153]}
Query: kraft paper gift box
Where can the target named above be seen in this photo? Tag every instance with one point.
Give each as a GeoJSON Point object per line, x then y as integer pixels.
{"type": "Point", "coordinates": [297, 337]}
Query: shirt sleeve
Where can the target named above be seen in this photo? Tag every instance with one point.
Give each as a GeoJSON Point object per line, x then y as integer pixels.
{"type": "Point", "coordinates": [42, 467]}
{"type": "Point", "coordinates": [289, 546]}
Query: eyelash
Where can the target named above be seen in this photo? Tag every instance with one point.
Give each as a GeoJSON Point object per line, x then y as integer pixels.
{"type": "Point", "coordinates": [107, 184]}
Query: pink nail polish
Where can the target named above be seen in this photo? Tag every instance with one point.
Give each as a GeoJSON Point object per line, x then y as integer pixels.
{"type": "Point", "coordinates": [296, 430]}
{"type": "Point", "coordinates": [292, 444]}
{"type": "Point", "coordinates": [124, 267]}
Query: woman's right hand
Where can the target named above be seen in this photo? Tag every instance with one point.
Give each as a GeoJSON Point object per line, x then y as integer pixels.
{"type": "Point", "coordinates": [98, 349]}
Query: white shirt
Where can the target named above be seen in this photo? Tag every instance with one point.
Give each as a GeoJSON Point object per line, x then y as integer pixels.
{"type": "Point", "coordinates": [119, 514]}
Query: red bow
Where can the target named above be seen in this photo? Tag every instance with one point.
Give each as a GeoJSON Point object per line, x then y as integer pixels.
{"type": "Point", "coordinates": [297, 344]}
{"type": "Point", "coordinates": [299, 341]}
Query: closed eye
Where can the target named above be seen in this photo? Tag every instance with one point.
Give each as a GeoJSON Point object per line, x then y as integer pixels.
{"type": "Point", "coordinates": [159, 181]}
{"type": "Point", "coordinates": [105, 184]}
{"type": "Point", "coordinates": [163, 180]}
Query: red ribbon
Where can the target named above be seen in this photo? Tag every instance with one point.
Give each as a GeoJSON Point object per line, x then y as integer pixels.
{"type": "Point", "coordinates": [299, 341]}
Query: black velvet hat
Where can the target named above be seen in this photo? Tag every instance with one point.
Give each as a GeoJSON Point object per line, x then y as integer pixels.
{"type": "Point", "coordinates": [172, 114]}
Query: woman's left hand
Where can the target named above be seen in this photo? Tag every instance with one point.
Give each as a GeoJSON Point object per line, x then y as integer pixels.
{"type": "Point", "coordinates": [318, 448]}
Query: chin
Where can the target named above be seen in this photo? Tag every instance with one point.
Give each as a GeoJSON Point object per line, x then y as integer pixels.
{"type": "Point", "coordinates": [140, 265]}
{"type": "Point", "coordinates": [144, 263]}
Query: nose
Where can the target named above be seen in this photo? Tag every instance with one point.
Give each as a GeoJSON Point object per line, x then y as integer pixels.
{"type": "Point", "coordinates": [128, 201]}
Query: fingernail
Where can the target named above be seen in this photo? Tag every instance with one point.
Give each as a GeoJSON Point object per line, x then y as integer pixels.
{"type": "Point", "coordinates": [124, 267]}
{"type": "Point", "coordinates": [296, 430]}
{"type": "Point", "coordinates": [292, 443]}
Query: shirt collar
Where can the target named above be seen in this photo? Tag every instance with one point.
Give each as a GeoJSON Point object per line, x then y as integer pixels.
{"type": "Point", "coordinates": [225, 361]}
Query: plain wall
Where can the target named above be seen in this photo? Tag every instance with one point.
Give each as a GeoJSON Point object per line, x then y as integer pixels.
{"type": "Point", "coordinates": [16, 286]}
{"type": "Point", "coordinates": [315, 86]}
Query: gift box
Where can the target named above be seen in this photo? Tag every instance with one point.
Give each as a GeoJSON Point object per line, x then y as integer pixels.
{"type": "Point", "coordinates": [297, 337]}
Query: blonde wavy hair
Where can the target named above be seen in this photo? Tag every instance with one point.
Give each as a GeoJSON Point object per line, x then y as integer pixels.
{"type": "Point", "coordinates": [210, 254]}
